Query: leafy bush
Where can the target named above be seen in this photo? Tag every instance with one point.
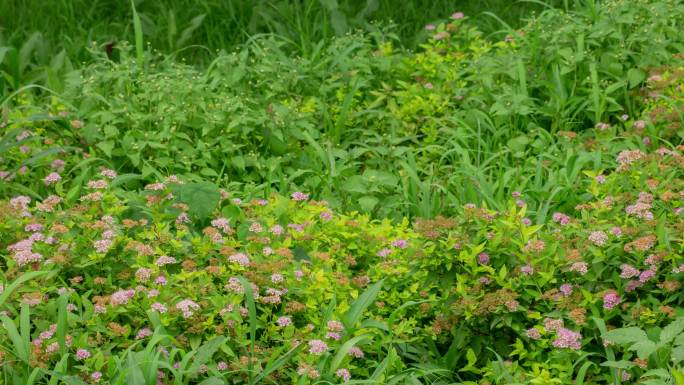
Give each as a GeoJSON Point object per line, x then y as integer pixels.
{"type": "Point", "coordinates": [198, 284]}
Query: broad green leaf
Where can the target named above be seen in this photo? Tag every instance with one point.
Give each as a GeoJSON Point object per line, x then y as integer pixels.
{"type": "Point", "coordinates": [201, 197]}
{"type": "Point", "coordinates": [626, 335]}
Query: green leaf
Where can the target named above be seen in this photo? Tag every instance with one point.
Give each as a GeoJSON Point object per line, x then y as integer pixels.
{"type": "Point", "coordinates": [344, 349]}
{"type": "Point", "coordinates": [626, 335]}
{"type": "Point", "coordinates": [106, 147]}
{"type": "Point", "coordinates": [359, 306]}
{"type": "Point", "coordinates": [205, 352]}
{"type": "Point", "coordinates": [622, 364]}
{"type": "Point", "coordinates": [677, 354]}
{"type": "Point", "coordinates": [671, 331]}
{"type": "Point", "coordinates": [19, 348]}
{"type": "Point", "coordinates": [644, 348]}
{"type": "Point", "coordinates": [201, 197]}
{"type": "Point", "coordinates": [368, 203]}
{"type": "Point", "coordinates": [9, 289]}
{"type": "Point", "coordinates": [635, 76]}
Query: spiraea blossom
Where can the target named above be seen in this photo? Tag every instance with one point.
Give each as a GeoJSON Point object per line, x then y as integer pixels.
{"type": "Point", "coordinates": [187, 307]}
{"type": "Point", "coordinates": [610, 300]}
{"type": "Point", "coordinates": [566, 338]}
{"type": "Point", "coordinates": [317, 347]}
{"type": "Point", "coordinates": [239, 258]}
{"type": "Point", "coordinates": [299, 196]}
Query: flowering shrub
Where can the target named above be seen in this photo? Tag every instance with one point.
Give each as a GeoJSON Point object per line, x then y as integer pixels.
{"type": "Point", "coordinates": [332, 295]}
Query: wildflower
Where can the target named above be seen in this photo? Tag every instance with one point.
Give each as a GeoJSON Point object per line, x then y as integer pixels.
{"type": "Point", "coordinates": [143, 333]}
{"type": "Point", "coordinates": [533, 333]}
{"type": "Point", "coordinates": [624, 117]}
{"type": "Point", "coordinates": [384, 252]}
{"type": "Point", "coordinates": [159, 307]}
{"type": "Point", "coordinates": [317, 347]}
{"type": "Point", "coordinates": [333, 335]}
{"type": "Point", "coordinates": [616, 231]}
{"type": "Point", "coordinates": [284, 321]}
{"type": "Point", "coordinates": [154, 293]}
{"type": "Point", "coordinates": [610, 300]}
{"type": "Point", "coordinates": [600, 179]}
{"type": "Point", "coordinates": [485, 280]}
{"type": "Point", "coordinates": [187, 307]}
{"type": "Point", "coordinates": [602, 126]}
{"type": "Point", "coordinates": [579, 267]}
{"type": "Point", "coordinates": [483, 258]}
{"type": "Point", "coordinates": [52, 178]}
{"type": "Point", "coordinates": [221, 224]}
{"type": "Point", "coordinates": [165, 260]}
{"type": "Point", "coordinates": [277, 230]}
{"type": "Point", "coordinates": [520, 203]}
{"type": "Point", "coordinates": [298, 274]}
{"type": "Point", "coordinates": [96, 376]}
{"type": "Point", "coordinates": [527, 270]}
{"type": "Point", "coordinates": [103, 245]}
{"type": "Point", "coordinates": [343, 374]}
{"type": "Point", "coordinates": [277, 278]}
{"type": "Point", "coordinates": [566, 289]}
{"type": "Point", "coordinates": [355, 352]}
{"type": "Point", "coordinates": [222, 365]}
{"type": "Point", "coordinates": [121, 297]}
{"type": "Point", "coordinates": [526, 221]}
{"type": "Point", "coordinates": [516, 194]}
{"type": "Point", "coordinates": [239, 258]}
{"type": "Point", "coordinates": [98, 184]}
{"type": "Point", "coordinates": [161, 280]}
{"type": "Point", "coordinates": [299, 196]}
{"type": "Point", "coordinates": [182, 218]}
{"type": "Point", "coordinates": [628, 271]}
{"type": "Point", "coordinates": [82, 354]}
{"type": "Point", "coordinates": [143, 274]}
{"type": "Point", "coordinates": [457, 15]}
{"type": "Point", "coordinates": [599, 238]}
{"type": "Point", "coordinates": [566, 338]}
{"type": "Point", "coordinates": [640, 124]}
{"type": "Point", "coordinates": [553, 324]}
{"type": "Point", "coordinates": [430, 27]}
{"type": "Point", "coordinates": [326, 215]}
{"type": "Point", "coordinates": [646, 276]}
{"type": "Point", "coordinates": [108, 173]}
{"type": "Point", "coordinates": [335, 326]}
{"type": "Point", "coordinates": [256, 227]}
{"type": "Point", "coordinates": [400, 244]}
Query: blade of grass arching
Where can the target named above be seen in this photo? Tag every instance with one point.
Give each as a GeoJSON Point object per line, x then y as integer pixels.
{"type": "Point", "coordinates": [273, 365]}
{"type": "Point", "coordinates": [344, 349]}
{"type": "Point", "coordinates": [25, 325]}
{"type": "Point", "coordinates": [137, 27]}
{"type": "Point", "coordinates": [344, 111]}
{"type": "Point", "coordinates": [601, 325]}
{"type": "Point", "coordinates": [60, 367]}
{"type": "Point", "coordinates": [582, 372]}
{"type": "Point", "coordinates": [595, 92]}
{"type": "Point", "coordinates": [361, 304]}
{"type": "Point", "coordinates": [20, 349]}
{"type": "Point", "coordinates": [249, 298]}
{"type": "Point", "coordinates": [32, 377]}
{"type": "Point", "coordinates": [13, 286]}
{"type": "Point", "coordinates": [62, 323]}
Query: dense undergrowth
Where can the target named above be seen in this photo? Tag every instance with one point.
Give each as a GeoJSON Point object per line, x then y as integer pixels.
{"type": "Point", "coordinates": [489, 208]}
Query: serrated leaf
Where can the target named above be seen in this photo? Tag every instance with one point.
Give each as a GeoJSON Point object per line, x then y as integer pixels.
{"type": "Point", "coordinates": [671, 331]}
{"type": "Point", "coordinates": [625, 335]}
{"type": "Point", "coordinates": [644, 348]}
